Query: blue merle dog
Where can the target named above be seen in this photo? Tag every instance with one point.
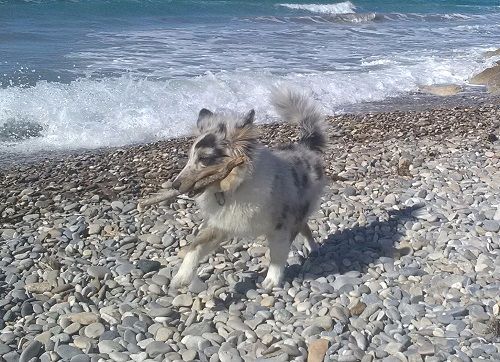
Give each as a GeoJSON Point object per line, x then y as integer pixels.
{"type": "Point", "coordinates": [271, 194]}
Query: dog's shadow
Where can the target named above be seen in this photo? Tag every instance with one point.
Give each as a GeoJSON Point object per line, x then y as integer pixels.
{"type": "Point", "coordinates": [346, 250]}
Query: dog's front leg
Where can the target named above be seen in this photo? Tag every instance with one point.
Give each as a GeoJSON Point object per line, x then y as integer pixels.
{"type": "Point", "coordinates": [279, 246]}
{"type": "Point", "coordinates": [207, 240]}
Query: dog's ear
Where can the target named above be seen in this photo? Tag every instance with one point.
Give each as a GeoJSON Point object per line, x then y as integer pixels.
{"type": "Point", "coordinates": [203, 116]}
{"type": "Point", "coordinates": [248, 118]}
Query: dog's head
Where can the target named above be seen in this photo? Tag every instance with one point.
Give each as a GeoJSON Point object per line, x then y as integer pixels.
{"type": "Point", "coordinates": [220, 135]}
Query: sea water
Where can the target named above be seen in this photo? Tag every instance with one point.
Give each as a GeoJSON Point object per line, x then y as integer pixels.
{"type": "Point", "coordinates": [83, 74]}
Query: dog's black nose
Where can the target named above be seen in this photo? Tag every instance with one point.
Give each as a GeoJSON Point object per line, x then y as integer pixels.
{"type": "Point", "coordinates": [176, 184]}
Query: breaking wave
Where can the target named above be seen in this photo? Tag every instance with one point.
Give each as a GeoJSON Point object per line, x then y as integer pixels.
{"type": "Point", "coordinates": [345, 7]}
{"type": "Point", "coordinates": [89, 113]}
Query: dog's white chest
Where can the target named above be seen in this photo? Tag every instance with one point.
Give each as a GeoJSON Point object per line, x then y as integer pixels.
{"type": "Point", "coordinates": [232, 215]}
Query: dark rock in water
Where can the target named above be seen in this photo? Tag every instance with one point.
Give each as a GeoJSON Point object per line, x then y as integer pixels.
{"type": "Point", "coordinates": [483, 77]}
{"type": "Point", "coordinates": [493, 86]}
{"type": "Point", "coordinates": [18, 130]}
{"type": "Point", "coordinates": [148, 265]}
{"type": "Point", "coordinates": [489, 77]}
{"type": "Point", "coordinates": [491, 53]}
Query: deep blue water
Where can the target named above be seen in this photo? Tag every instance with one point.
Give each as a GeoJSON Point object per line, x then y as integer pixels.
{"type": "Point", "coordinates": [92, 73]}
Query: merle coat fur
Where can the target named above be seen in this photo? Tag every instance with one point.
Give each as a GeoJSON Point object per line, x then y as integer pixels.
{"type": "Point", "coordinates": [272, 194]}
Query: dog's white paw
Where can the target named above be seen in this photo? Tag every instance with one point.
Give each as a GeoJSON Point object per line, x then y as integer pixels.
{"type": "Point", "coordinates": [269, 284]}
{"type": "Point", "coordinates": [180, 280]}
{"type": "Point", "coordinates": [272, 280]}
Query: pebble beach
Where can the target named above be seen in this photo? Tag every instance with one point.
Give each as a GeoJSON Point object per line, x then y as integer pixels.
{"type": "Point", "coordinates": [408, 269]}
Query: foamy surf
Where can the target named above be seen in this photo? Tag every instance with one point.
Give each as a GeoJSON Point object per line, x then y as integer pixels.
{"type": "Point", "coordinates": [345, 7]}
{"type": "Point", "coordinates": [89, 73]}
{"type": "Point", "coordinates": [88, 114]}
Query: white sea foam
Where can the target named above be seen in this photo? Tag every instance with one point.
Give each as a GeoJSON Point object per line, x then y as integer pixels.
{"type": "Point", "coordinates": [114, 112]}
{"type": "Point", "coordinates": [345, 7]}
{"type": "Point", "coordinates": [430, 17]}
{"type": "Point", "coordinates": [377, 62]}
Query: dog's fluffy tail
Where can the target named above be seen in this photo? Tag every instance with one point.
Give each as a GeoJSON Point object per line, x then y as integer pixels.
{"type": "Point", "coordinates": [297, 107]}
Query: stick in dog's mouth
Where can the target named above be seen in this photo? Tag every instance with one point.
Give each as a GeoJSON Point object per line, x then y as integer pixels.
{"type": "Point", "coordinates": [196, 185]}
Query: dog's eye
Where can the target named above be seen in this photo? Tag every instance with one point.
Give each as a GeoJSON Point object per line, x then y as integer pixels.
{"type": "Point", "coordinates": [208, 160]}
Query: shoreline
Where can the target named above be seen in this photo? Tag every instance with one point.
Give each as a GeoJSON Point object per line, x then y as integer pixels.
{"type": "Point", "coordinates": [404, 103]}
{"type": "Point", "coordinates": [408, 265]}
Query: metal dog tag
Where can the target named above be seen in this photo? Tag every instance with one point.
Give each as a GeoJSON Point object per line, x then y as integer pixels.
{"type": "Point", "coordinates": [219, 196]}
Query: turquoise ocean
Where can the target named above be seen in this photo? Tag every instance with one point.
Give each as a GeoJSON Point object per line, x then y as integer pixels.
{"type": "Point", "coordinates": [84, 74]}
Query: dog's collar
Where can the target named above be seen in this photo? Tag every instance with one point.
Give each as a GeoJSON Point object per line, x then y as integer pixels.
{"type": "Point", "coordinates": [219, 196]}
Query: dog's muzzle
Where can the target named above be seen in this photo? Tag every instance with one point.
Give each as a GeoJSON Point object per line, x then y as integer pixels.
{"type": "Point", "coordinates": [184, 182]}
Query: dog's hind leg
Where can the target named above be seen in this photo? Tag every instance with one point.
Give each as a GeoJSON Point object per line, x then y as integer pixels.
{"type": "Point", "coordinates": [279, 246]}
{"type": "Point", "coordinates": [207, 240]}
{"type": "Point", "coordinates": [311, 245]}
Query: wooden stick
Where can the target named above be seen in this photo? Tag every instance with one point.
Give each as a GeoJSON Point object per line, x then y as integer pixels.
{"type": "Point", "coordinates": [156, 199]}
{"type": "Point", "coordinates": [210, 175]}
{"type": "Point", "coordinates": [204, 179]}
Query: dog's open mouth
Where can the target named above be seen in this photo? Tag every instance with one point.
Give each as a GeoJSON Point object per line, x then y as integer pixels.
{"type": "Point", "coordinates": [194, 193]}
